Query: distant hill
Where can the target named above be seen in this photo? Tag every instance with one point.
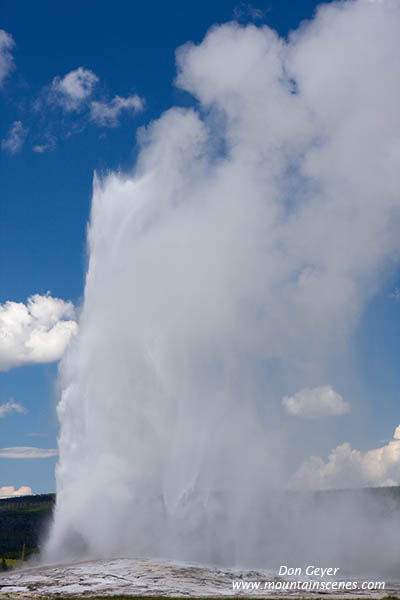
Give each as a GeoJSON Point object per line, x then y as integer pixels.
{"type": "Point", "coordinates": [22, 522]}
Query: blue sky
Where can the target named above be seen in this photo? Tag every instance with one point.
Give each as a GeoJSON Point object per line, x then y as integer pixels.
{"type": "Point", "coordinates": [46, 179]}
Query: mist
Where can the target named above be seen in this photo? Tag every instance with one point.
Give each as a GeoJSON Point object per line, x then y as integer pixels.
{"type": "Point", "coordinates": [228, 272]}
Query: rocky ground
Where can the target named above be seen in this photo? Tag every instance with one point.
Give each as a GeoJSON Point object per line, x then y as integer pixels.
{"type": "Point", "coordinates": [144, 578]}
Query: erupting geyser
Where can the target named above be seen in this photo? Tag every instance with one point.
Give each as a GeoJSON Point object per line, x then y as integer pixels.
{"type": "Point", "coordinates": [227, 272]}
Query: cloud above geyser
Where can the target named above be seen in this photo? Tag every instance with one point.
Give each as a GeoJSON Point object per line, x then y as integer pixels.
{"type": "Point", "coordinates": [83, 102]}
{"type": "Point", "coordinates": [313, 403]}
{"type": "Point", "coordinates": [72, 90]}
{"type": "Point", "coordinates": [107, 113]}
{"type": "Point", "coordinates": [10, 407]}
{"type": "Point", "coordinates": [35, 332]}
{"type": "Point", "coordinates": [22, 452]}
{"type": "Point", "coordinates": [6, 59]}
{"type": "Point", "coordinates": [15, 138]}
{"type": "Point", "coordinates": [47, 145]}
{"type": "Point", "coordinates": [347, 468]}
{"type": "Point", "coordinates": [229, 268]}
{"type": "Point", "coordinates": [246, 10]}
{"type": "Point", "coordinates": [8, 491]}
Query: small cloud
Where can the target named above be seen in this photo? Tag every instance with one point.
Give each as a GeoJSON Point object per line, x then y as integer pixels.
{"type": "Point", "coordinates": [40, 148]}
{"type": "Point", "coordinates": [27, 452]}
{"type": "Point", "coordinates": [6, 60]}
{"type": "Point", "coordinates": [248, 11]}
{"type": "Point", "coordinates": [314, 403]}
{"type": "Point", "coordinates": [107, 114]}
{"type": "Point", "coordinates": [395, 295]}
{"type": "Point", "coordinates": [10, 407]}
{"type": "Point", "coordinates": [49, 143]}
{"type": "Point", "coordinates": [36, 332]}
{"type": "Point", "coordinates": [347, 468]}
{"type": "Point", "coordinates": [8, 491]}
{"type": "Point", "coordinates": [77, 94]}
{"type": "Point", "coordinates": [15, 138]}
{"type": "Point", "coordinates": [73, 89]}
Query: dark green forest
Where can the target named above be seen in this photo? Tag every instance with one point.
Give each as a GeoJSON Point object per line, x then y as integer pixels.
{"type": "Point", "coordinates": [23, 521]}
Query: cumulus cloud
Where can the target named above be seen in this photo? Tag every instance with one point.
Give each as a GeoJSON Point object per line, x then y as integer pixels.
{"type": "Point", "coordinates": [35, 332]}
{"type": "Point", "coordinates": [313, 403]}
{"type": "Point", "coordinates": [76, 93]}
{"type": "Point", "coordinates": [6, 60]}
{"type": "Point", "coordinates": [10, 407]}
{"type": "Point", "coordinates": [15, 138]}
{"type": "Point", "coordinates": [27, 452]}
{"type": "Point", "coordinates": [73, 89]}
{"type": "Point", "coordinates": [108, 113]}
{"type": "Point", "coordinates": [347, 468]}
{"type": "Point", "coordinates": [8, 491]}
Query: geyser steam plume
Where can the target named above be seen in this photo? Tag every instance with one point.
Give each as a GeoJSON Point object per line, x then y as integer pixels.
{"type": "Point", "coordinates": [229, 270]}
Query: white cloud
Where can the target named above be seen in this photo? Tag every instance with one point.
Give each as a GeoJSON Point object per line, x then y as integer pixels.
{"type": "Point", "coordinates": [313, 403]}
{"type": "Point", "coordinates": [347, 468]}
{"type": "Point", "coordinates": [245, 9]}
{"type": "Point", "coordinates": [10, 407]}
{"type": "Point", "coordinates": [27, 452]}
{"type": "Point", "coordinates": [108, 113]}
{"type": "Point", "coordinates": [36, 332]}
{"type": "Point", "coordinates": [395, 295]}
{"type": "Point", "coordinates": [6, 60]}
{"type": "Point", "coordinates": [40, 148]}
{"type": "Point", "coordinates": [73, 89]}
{"type": "Point", "coordinates": [48, 143]}
{"type": "Point", "coordinates": [8, 491]}
{"type": "Point", "coordinates": [15, 138]}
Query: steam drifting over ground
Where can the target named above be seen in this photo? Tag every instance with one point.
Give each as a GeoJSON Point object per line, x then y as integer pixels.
{"type": "Point", "coordinates": [228, 271]}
